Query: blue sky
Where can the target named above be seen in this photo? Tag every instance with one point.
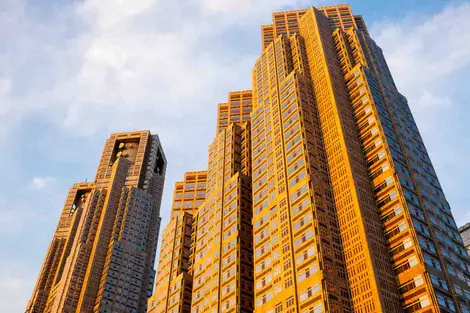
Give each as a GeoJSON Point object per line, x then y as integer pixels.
{"type": "Point", "coordinates": [71, 72]}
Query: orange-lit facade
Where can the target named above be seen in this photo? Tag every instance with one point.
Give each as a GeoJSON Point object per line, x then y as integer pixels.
{"type": "Point", "coordinates": [298, 259]}
{"type": "Point", "coordinates": [341, 173]}
{"type": "Point", "coordinates": [222, 252]}
{"type": "Point", "coordinates": [236, 110]}
{"type": "Point", "coordinates": [173, 284]}
{"type": "Point", "coordinates": [102, 254]}
{"type": "Point", "coordinates": [189, 194]}
{"type": "Point", "coordinates": [347, 214]}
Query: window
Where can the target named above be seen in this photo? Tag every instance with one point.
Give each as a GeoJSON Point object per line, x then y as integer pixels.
{"type": "Point", "coordinates": [305, 255]}
{"type": "Point", "coordinates": [305, 237]}
{"type": "Point", "coordinates": [308, 272]}
{"type": "Point", "coordinates": [309, 292]}
{"type": "Point", "coordinates": [445, 302]}
{"type": "Point", "coordinates": [288, 282]}
{"type": "Point", "coordinates": [317, 308]}
{"type": "Point", "coordinates": [290, 301]}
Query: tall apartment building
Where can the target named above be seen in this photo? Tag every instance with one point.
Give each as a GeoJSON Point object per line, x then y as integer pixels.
{"type": "Point", "coordinates": [348, 211]}
{"type": "Point", "coordinates": [465, 234]}
{"type": "Point", "coordinates": [205, 261]}
{"type": "Point", "coordinates": [173, 284]}
{"type": "Point", "coordinates": [102, 254]}
{"type": "Point", "coordinates": [222, 234]}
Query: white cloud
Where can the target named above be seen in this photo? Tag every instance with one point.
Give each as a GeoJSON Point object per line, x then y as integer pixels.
{"type": "Point", "coordinates": [42, 183]}
{"type": "Point", "coordinates": [15, 285]}
{"type": "Point", "coordinates": [226, 5]}
{"type": "Point", "coordinates": [5, 86]}
{"type": "Point", "coordinates": [109, 14]}
{"type": "Point", "coordinates": [426, 56]}
{"type": "Point", "coordinates": [100, 65]}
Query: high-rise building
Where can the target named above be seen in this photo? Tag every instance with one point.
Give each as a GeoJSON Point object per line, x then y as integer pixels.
{"type": "Point", "coordinates": [465, 234]}
{"type": "Point", "coordinates": [347, 212]}
{"type": "Point", "coordinates": [173, 284]}
{"type": "Point", "coordinates": [342, 179]}
{"type": "Point", "coordinates": [102, 254]}
{"type": "Point", "coordinates": [213, 209]}
{"type": "Point", "coordinates": [222, 264]}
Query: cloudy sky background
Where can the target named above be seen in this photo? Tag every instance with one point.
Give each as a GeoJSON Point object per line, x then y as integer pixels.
{"type": "Point", "coordinates": [71, 72]}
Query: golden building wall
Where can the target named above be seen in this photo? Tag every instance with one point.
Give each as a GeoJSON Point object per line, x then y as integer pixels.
{"type": "Point", "coordinates": [222, 261]}
{"type": "Point", "coordinates": [284, 24]}
{"type": "Point", "coordinates": [297, 248]}
{"type": "Point", "coordinates": [173, 284]}
{"type": "Point", "coordinates": [189, 194]}
{"type": "Point", "coordinates": [371, 277]}
{"type": "Point", "coordinates": [236, 110]}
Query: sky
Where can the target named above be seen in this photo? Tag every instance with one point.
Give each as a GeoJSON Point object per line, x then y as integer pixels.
{"type": "Point", "coordinates": [72, 72]}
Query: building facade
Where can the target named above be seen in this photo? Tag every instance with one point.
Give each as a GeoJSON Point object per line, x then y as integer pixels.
{"type": "Point", "coordinates": [173, 285]}
{"type": "Point", "coordinates": [222, 263]}
{"type": "Point", "coordinates": [205, 261]}
{"type": "Point", "coordinates": [189, 194]}
{"type": "Point", "coordinates": [102, 254]}
{"type": "Point", "coordinates": [222, 251]}
{"type": "Point", "coordinates": [236, 109]}
{"type": "Point", "coordinates": [465, 234]}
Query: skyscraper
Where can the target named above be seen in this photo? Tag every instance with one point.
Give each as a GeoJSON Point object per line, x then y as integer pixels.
{"type": "Point", "coordinates": [351, 176]}
{"type": "Point", "coordinates": [173, 283]}
{"type": "Point", "coordinates": [102, 254]}
{"type": "Point", "coordinates": [347, 212]}
{"type": "Point", "coordinates": [222, 265]}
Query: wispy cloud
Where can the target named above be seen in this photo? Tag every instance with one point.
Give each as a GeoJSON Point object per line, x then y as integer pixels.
{"type": "Point", "coordinates": [41, 183]}
{"type": "Point", "coordinates": [13, 283]}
